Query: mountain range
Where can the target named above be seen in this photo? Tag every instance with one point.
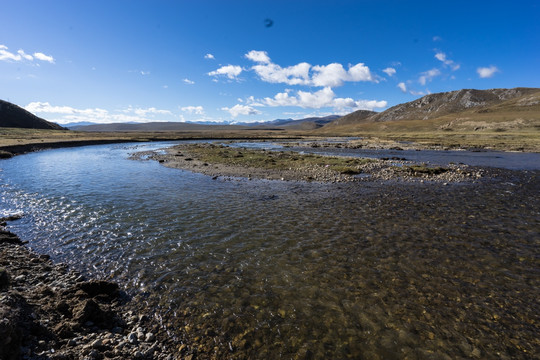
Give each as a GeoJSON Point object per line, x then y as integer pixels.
{"type": "Point", "coordinates": [454, 110]}
{"type": "Point", "coordinates": [464, 108]}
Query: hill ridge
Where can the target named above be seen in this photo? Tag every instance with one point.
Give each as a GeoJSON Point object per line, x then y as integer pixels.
{"type": "Point", "coordinates": [445, 104]}
{"type": "Point", "coordinates": [14, 116]}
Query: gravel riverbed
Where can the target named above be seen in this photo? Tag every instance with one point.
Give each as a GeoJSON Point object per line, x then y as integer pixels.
{"type": "Point", "coordinates": [48, 311]}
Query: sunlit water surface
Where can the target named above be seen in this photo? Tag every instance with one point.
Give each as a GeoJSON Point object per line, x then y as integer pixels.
{"type": "Point", "coordinates": [268, 269]}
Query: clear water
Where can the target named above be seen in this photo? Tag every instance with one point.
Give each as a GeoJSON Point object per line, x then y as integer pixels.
{"type": "Point", "coordinates": [268, 269]}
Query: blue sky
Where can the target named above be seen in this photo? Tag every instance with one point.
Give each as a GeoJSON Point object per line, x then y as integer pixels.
{"type": "Point", "coordinates": [245, 61]}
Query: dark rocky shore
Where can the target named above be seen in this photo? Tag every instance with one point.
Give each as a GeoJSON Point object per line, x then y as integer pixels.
{"type": "Point", "coordinates": [48, 311]}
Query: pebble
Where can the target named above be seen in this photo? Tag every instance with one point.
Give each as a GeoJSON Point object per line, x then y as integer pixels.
{"type": "Point", "coordinates": [150, 337]}
{"type": "Point", "coordinates": [132, 338]}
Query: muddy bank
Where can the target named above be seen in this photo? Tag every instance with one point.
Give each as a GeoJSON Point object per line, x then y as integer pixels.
{"type": "Point", "coordinates": [48, 311]}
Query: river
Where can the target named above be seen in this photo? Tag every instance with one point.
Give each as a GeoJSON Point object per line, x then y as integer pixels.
{"type": "Point", "coordinates": [270, 269]}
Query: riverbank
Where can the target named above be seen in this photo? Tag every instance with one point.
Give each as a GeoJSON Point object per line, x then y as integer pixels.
{"type": "Point", "coordinates": [218, 160]}
{"type": "Point", "coordinates": [51, 312]}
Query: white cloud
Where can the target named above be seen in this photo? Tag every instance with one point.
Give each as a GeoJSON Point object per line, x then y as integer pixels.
{"type": "Point", "coordinates": [320, 99]}
{"type": "Point", "coordinates": [198, 110]}
{"type": "Point", "coordinates": [209, 56]}
{"type": "Point", "coordinates": [241, 110]}
{"type": "Point", "coordinates": [389, 71]}
{"type": "Point", "coordinates": [231, 71]}
{"type": "Point", "coordinates": [21, 55]}
{"type": "Point", "coordinates": [6, 55]}
{"type": "Point", "coordinates": [258, 56]}
{"type": "Point", "coordinates": [25, 55]}
{"type": "Point", "coordinates": [332, 75]}
{"type": "Point", "coordinates": [359, 72]}
{"type": "Point", "coordinates": [187, 81]}
{"type": "Point", "coordinates": [145, 112]}
{"type": "Point", "coordinates": [43, 57]}
{"type": "Point", "coordinates": [442, 57]}
{"type": "Point", "coordinates": [143, 73]}
{"type": "Point", "coordinates": [402, 87]}
{"type": "Point", "coordinates": [428, 75]}
{"type": "Point", "coordinates": [292, 75]}
{"type": "Point", "coordinates": [67, 114]}
{"type": "Point", "coordinates": [487, 72]}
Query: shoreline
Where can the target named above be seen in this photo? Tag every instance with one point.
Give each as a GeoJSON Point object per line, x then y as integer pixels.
{"type": "Point", "coordinates": [49, 311]}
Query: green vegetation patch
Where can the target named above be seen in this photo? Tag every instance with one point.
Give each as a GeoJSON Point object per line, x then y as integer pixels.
{"type": "Point", "coordinates": [419, 170]}
{"type": "Point", "coordinates": [276, 160]}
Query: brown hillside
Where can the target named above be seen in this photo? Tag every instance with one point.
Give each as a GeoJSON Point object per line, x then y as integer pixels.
{"type": "Point", "coordinates": [436, 105]}
{"type": "Point", "coordinates": [466, 109]}
{"type": "Point", "coordinates": [13, 116]}
{"type": "Point", "coordinates": [352, 118]}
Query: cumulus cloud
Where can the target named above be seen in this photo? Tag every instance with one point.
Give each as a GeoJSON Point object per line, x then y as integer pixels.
{"type": "Point", "coordinates": [21, 55]}
{"type": "Point", "coordinates": [402, 87]}
{"type": "Point", "coordinates": [209, 56]}
{"type": "Point", "coordinates": [320, 99]}
{"type": "Point", "coordinates": [68, 114]}
{"type": "Point", "coordinates": [487, 72]}
{"type": "Point", "coordinates": [241, 110]}
{"type": "Point", "coordinates": [389, 71]}
{"type": "Point", "coordinates": [292, 75]}
{"type": "Point", "coordinates": [198, 110]}
{"type": "Point", "coordinates": [258, 56]}
{"type": "Point", "coordinates": [231, 71]}
{"type": "Point", "coordinates": [187, 81]}
{"type": "Point", "coordinates": [442, 57]}
{"type": "Point", "coordinates": [303, 73]}
{"type": "Point", "coordinates": [427, 76]}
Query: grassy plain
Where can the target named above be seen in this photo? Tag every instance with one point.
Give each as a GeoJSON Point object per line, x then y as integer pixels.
{"type": "Point", "coordinates": [500, 138]}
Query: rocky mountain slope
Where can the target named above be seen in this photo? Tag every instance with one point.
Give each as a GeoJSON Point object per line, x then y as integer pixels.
{"type": "Point", "coordinates": [460, 105]}
{"type": "Point", "coordinates": [14, 116]}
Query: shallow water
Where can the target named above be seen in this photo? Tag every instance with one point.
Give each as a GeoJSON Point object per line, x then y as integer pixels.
{"type": "Point", "coordinates": [498, 159]}
{"type": "Point", "coordinates": [267, 269]}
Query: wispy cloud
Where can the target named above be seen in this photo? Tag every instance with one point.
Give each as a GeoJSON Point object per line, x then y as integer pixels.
{"type": "Point", "coordinates": [487, 72]}
{"type": "Point", "coordinates": [390, 71]}
{"type": "Point", "coordinates": [187, 81]}
{"type": "Point", "coordinates": [447, 62]}
{"type": "Point", "coordinates": [43, 57]}
{"type": "Point", "coordinates": [21, 55]}
{"type": "Point", "coordinates": [209, 56]}
{"type": "Point", "coordinates": [402, 87]}
{"type": "Point", "coordinates": [427, 76]}
{"type": "Point", "coordinates": [241, 110]}
{"type": "Point", "coordinates": [231, 71]}
{"type": "Point", "coordinates": [198, 110]}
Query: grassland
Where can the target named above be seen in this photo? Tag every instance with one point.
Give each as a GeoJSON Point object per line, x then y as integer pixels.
{"type": "Point", "coordinates": [271, 160]}
{"type": "Point", "coordinates": [509, 135]}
